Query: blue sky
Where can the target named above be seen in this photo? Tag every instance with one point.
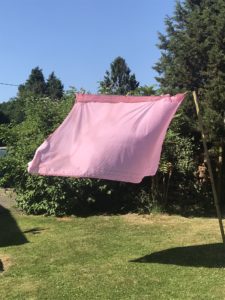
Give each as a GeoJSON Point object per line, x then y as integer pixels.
{"type": "Point", "coordinates": [78, 39]}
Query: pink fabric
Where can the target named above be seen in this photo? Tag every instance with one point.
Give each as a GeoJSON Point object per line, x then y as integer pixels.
{"type": "Point", "coordinates": [109, 137]}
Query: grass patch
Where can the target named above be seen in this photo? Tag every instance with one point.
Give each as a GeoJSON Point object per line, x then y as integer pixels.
{"type": "Point", "coordinates": [111, 257]}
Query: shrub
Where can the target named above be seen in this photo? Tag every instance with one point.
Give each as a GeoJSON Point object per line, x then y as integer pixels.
{"type": "Point", "coordinates": [173, 183]}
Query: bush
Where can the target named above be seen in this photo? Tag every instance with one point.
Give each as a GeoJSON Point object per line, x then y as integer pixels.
{"type": "Point", "coordinates": [174, 182]}
{"type": "Point", "coordinates": [50, 195]}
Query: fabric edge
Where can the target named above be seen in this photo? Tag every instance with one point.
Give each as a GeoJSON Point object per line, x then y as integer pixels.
{"type": "Point", "coordinates": [118, 98]}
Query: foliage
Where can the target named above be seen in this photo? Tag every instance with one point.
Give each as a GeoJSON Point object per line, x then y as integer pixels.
{"type": "Point", "coordinates": [41, 118]}
{"type": "Point", "coordinates": [193, 58]}
{"type": "Point", "coordinates": [3, 118]}
{"type": "Point", "coordinates": [118, 81]}
{"type": "Point", "coordinates": [54, 87]}
{"type": "Point", "coordinates": [177, 167]}
{"type": "Point", "coordinates": [48, 195]}
{"type": "Point", "coordinates": [146, 90]}
{"type": "Point", "coordinates": [54, 195]}
{"type": "Point", "coordinates": [13, 110]}
{"type": "Point", "coordinates": [36, 86]}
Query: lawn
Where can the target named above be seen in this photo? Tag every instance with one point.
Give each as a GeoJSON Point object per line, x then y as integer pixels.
{"type": "Point", "coordinates": [110, 257]}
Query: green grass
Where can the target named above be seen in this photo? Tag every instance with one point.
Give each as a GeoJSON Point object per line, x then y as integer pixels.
{"type": "Point", "coordinates": [111, 257]}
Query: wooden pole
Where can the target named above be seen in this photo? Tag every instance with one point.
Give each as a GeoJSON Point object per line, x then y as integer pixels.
{"type": "Point", "coordinates": [219, 216]}
{"type": "Point", "coordinates": [220, 165]}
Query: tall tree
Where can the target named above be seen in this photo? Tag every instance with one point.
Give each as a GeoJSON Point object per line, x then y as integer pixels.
{"type": "Point", "coordinates": [54, 87]}
{"type": "Point", "coordinates": [119, 80]}
{"type": "Point", "coordinates": [35, 85]}
{"type": "Point", "coordinates": [193, 58]}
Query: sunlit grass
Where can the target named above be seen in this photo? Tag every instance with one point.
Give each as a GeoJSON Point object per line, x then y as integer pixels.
{"type": "Point", "coordinates": [111, 257]}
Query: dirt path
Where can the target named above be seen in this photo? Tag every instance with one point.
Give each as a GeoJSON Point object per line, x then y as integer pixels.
{"type": "Point", "coordinates": [7, 198]}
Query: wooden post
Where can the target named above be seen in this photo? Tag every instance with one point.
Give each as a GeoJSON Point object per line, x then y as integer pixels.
{"type": "Point", "coordinates": [220, 165]}
{"type": "Point", "coordinates": [209, 168]}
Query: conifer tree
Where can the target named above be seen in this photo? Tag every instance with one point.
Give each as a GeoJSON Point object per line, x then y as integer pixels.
{"type": "Point", "coordinates": [54, 87]}
{"type": "Point", "coordinates": [119, 80]}
{"type": "Point", "coordinates": [35, 85]}
{"type": "Point", "coordinates": [193, 58]}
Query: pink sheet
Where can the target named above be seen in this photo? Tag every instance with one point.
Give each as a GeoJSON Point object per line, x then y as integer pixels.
{"type": "Point", "coordinates": [108, 137]}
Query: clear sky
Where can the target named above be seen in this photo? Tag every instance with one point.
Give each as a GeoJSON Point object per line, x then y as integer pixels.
{"type": "Point", "coordinates": [78, 39]}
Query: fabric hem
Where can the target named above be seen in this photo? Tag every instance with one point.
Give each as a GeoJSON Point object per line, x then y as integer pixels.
{"type": "Point", "coordinates": [126, 99]}
{"type": "Point", "coordinates": [123, 177]}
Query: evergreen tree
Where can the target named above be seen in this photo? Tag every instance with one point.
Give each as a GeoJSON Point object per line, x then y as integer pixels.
{"type": "Point", "coordinates": [118, 81]}
{"type": "Point", "coordinates": [54, 87]}
{"type": "Point", "coordinates": [193, 58]}
{"type": "Point", "coordinates": [35, 85]}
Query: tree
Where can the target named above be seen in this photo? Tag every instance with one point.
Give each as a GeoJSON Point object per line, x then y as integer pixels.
{"type": "Point", "coordinates": [4, 119]}
{"type": "Point", "coordinates": [54, 87]}
{"type": "Point", "coordinates": [13, 110]}
{"type": "Point", "coordinates": [35, 85]}
{"type": "Point", "coordinates": [118, 81]}
{"type": "Point", "coordinates": [145, 90]}
{"type": "Point", "coordinates": [193, 58]}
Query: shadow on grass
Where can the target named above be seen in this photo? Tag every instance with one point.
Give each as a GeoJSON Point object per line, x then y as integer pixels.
{"type": "Point", "coordinates": [35, 230]}
{"type": "Point", "coordinates": [10, 233]}
{"type": "Point", "coordinates": [208, 256]}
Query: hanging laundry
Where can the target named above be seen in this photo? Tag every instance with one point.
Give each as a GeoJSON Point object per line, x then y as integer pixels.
{"type": "Point", "coordinates": [108, 137]}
